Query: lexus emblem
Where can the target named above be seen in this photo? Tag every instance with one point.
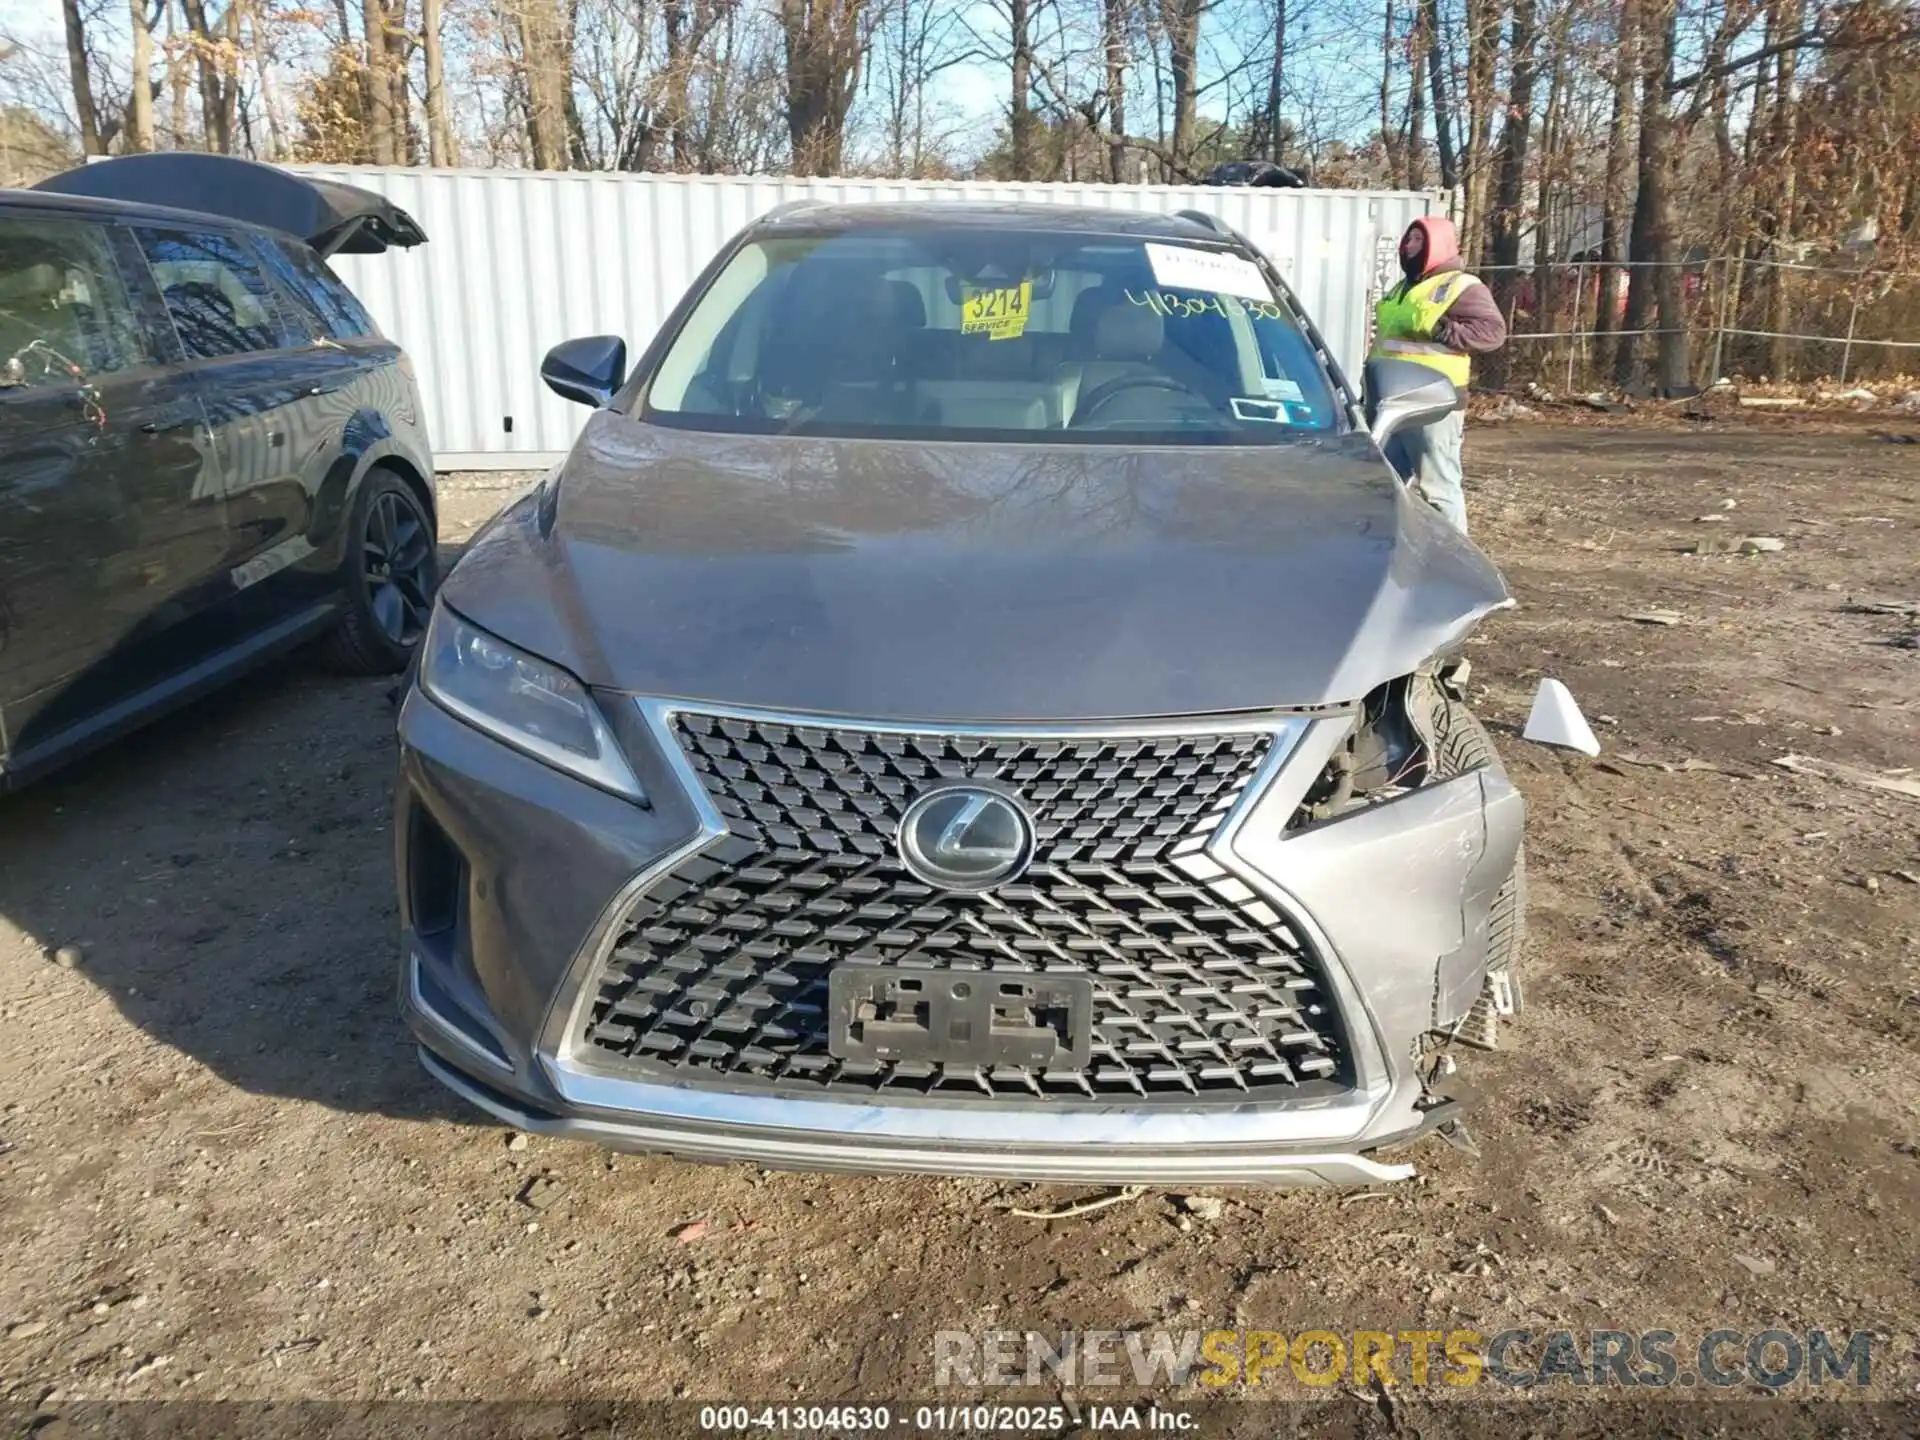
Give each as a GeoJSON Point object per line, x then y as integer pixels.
{"type": "Point", "coordinates": [965, 837]}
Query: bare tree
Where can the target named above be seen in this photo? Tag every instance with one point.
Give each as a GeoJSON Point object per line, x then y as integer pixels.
{"type": "Point", "coordinates": [1183, 56]}
{"type": "Point", "coordinates": [1115, 64]}
{"type": "Point", "coordinates": [1389, 133]}
{"type": "Point", "coordinates": [441, 149]}
{"type": "Point", "coordinates": [1020, 117]}
{"type": "Point", "coordinates": [743, 98]}
{"type": "Point", "coordinates": [1779, 173]}
{"type": "Point", "coordinates": [1548, 202]}
{"type": "Point", "coordinates": [1656, 286]}
{"type": "Point", "coordinates": [825, 43]}
{"type": "Point", "coordinates": [547, 57]}
{"type": "Point", "coordinates": [1418, 43]}
{"type": "Point", "coordinates": [140, 90]}
{"type": "Point", "coordinates": [179, 54]}
{"type": "Point", "coordinates": [216, 52]}
{"type": "Point", "coordinates": [1437, 84]}
{"type": "Point", "coordinates": [687, 28]}
{"type": "Point", "coordinates": [614, 64]}
{"type": "Point", "coordinates": [265, 89]}
{"type": "Point", "coordinates": [1567, 121]}
{"type": "Point", "coordinates": [1483, 57]}
{"type": "Point", "coordinates": [1078, 57]}
{"type": "Point", "coordinates": [1054, 76]}
{"type": "Point", "coordinates": [915, 43]}
{"type": "Point", "coordinates": [1619, 164]}
{"type": "Point", "coordinates": [1268, 130]}
{"type": "Point", "coordinates": [375, 84]}
{"type": "Point", "coordinates": [80, 67]}
{"type": "Point", "coordinates": [1505, 217]}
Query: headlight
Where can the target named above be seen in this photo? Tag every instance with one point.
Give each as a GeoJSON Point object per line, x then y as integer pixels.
{"type": "Point", "coordinates": [524, 701]}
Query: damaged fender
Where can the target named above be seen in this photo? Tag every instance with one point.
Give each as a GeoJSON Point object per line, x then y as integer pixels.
{"type": "Point", "coordinates": [1441, 851]}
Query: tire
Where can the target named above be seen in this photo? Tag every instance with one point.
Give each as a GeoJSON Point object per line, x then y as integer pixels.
{"type": "Point", "coordinates": [1507, 929]}
{"type": "Point", "coordinates": [388, 577]}
{"type": "Point", "coordinates": [1461, 743]}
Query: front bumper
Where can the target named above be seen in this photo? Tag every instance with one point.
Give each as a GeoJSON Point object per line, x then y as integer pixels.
{"type": "Point", "coordinates": [499, 958]}
{"type": "Point", "coordinates": [713, 1137]}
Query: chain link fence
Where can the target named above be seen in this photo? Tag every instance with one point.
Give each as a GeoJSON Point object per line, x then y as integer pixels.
{"type": "Point", "coordinates": [1752, 320]}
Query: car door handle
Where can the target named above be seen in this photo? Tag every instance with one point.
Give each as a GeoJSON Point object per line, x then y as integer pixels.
{"type": "Point", "coordinates": [170, 417]}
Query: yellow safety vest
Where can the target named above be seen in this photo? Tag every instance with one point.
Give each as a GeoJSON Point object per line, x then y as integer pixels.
{"type": "Point", "coordinates": [1403, 324]}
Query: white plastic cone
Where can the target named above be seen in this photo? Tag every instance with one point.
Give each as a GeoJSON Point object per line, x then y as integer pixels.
{"type": "Point", "coordinates": [1556, 720]}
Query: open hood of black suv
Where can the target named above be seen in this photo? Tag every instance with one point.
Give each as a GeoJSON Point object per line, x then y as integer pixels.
{"type": "Point", "coordinates": [331, 217]}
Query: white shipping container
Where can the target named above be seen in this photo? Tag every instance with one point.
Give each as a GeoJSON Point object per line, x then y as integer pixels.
{"type": "Point", "coordinates": [519, 260]}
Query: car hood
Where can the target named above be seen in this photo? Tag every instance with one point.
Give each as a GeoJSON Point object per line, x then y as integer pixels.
{"type": "Point", "coordinates": [974, 581]}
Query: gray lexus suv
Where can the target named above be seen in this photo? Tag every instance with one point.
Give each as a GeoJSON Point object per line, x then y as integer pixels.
{"type": "Point", "coordinates": [975, 700]}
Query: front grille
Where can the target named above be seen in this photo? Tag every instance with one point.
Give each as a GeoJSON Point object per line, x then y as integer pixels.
{"type": "Point", "coordinates": [1200, 987]}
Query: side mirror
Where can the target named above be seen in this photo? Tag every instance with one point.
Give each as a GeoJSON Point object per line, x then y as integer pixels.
{"type": "Point", "coordinates": [1404, 395]}
{"type": "Point", "coordinates": [587, 370]}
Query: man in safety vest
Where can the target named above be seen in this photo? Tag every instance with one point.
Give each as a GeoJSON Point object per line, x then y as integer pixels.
{"type": "Point", "coordinates": [1440, 316]}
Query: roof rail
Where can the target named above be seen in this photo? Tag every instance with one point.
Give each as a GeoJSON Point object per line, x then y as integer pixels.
{"type": "Point", "coordinates": [789, 207]}
{"type": "Point", "coordinates": [1210, 220]}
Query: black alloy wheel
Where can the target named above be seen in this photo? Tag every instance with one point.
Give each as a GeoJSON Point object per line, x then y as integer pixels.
{"type": "Point", "coordinates": [397, 566]}
{"type": "Point", "coordinates": [387, 578]}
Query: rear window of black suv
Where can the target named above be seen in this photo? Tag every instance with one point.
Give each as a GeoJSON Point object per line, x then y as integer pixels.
{"type": "Point", "coordinates": [324, 301]}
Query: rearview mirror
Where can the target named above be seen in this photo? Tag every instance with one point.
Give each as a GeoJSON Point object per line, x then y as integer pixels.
{"type": "Point", "coordinates": [1404, 395]}
{"type": "Point", "coordinates": [587, 370]}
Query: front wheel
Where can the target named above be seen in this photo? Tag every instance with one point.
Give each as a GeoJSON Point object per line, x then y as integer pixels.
{"type": "Point", "coordinates": [389, 576]}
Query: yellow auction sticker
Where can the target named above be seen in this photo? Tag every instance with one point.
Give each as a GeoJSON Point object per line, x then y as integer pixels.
{"type": "Point", "coordinates": [998, 314]}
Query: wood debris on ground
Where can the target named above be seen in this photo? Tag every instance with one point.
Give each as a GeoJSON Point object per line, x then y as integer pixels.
{"type": "Point", "coordinates": [1893, 782]}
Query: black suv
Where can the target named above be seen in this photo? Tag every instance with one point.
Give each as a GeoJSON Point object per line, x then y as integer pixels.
{"type": "Point", "coordinates": [208, 452]}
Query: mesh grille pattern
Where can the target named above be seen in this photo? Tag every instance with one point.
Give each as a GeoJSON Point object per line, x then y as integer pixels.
{"type": "Point", "coordinates": [1200, 987]}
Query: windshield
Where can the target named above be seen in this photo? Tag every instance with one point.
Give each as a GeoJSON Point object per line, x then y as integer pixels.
{"type": "Point", "coordinates": [983, 334]}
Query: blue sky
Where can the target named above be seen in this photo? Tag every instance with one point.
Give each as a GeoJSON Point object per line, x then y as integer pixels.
{"type": "Point", "coordinates": [1332, 64]}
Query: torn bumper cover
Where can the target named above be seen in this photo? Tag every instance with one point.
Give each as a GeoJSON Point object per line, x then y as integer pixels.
{"type": "Point", "coordinates": [517, 882]}
{"type": "Point", "coordinates": [331, 217]}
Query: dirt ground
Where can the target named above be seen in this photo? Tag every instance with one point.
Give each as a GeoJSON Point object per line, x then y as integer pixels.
{"type": "Point", "coordinates": [222, 1173]}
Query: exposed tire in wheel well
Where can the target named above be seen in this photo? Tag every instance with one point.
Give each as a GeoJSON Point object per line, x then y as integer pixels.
{"type": "Point", "coordinates": [1460, 743]}
{"type": "Point", "coordinates": [356, 645]}
{"type": "Point", "coordinates": [416, 482]}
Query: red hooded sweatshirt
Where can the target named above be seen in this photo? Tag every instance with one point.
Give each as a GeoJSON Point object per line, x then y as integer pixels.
{"type": "Point", "coordinates": [1473, 322]}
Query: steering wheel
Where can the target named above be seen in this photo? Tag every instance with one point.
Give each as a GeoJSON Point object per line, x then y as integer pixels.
{"type": "Point", "coordinates": [1107, 389]}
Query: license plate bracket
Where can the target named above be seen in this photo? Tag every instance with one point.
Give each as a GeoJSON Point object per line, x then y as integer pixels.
{"type": "Point", "coordinates": [886, 1013]}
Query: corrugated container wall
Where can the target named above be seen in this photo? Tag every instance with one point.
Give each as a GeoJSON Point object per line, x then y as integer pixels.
{"type": "Point", "coordinates": [517, 261]}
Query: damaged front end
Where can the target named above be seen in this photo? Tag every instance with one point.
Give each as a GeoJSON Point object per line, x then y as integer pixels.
{"type": "Point", "coordinates": [1271, 866]}
{"type": "Point", "coordinates": [1411, 796]}
{"type": "Point", "coordinates": [1264, 975]}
